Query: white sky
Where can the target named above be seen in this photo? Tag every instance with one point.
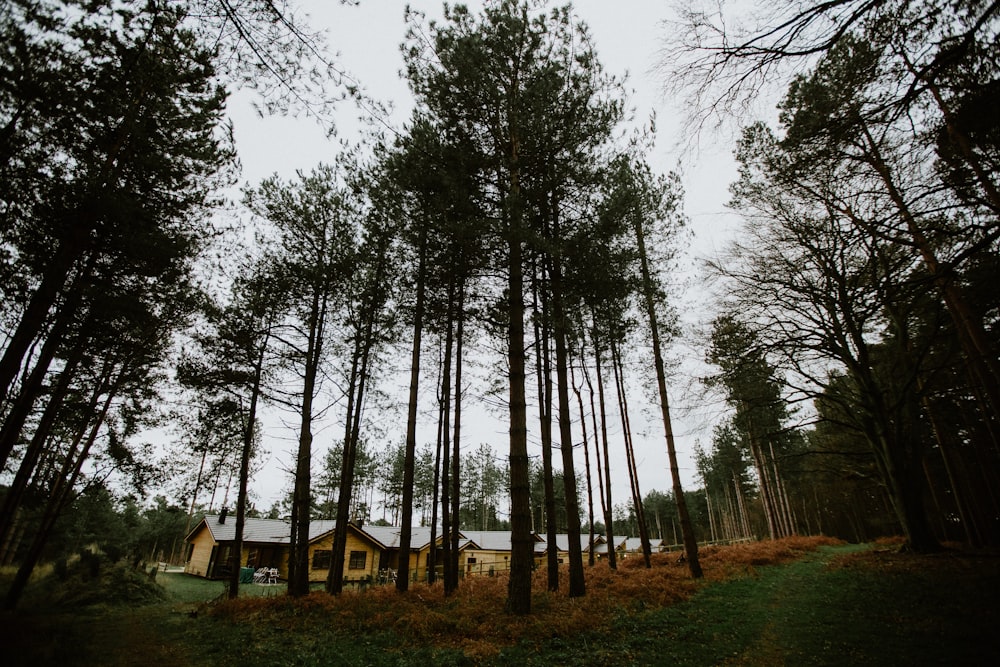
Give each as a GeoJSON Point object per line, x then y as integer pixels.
{"type": "Point", "coordinates": [627, 35]}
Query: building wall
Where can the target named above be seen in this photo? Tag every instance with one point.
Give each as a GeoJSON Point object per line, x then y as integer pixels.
{"type": "Point", "coordinates": [482, 561]}
{"type": "Point", "coordinates": [201, 553]}
{"type": "Point", "coordinates": [355, 543]}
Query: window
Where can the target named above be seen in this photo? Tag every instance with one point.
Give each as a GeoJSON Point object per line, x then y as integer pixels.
{"type": "Point", "coordinates": [357, 561]}
{"type": "Point", "coordinates": [470, 560]}
{"type": "Point", "coordinates": [322, 559]}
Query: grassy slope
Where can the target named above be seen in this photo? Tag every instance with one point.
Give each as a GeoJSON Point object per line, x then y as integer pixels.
{"type": "Point", "coordinates": [872, 607]}
{"type": "Point", "coordinates": [879, 609]}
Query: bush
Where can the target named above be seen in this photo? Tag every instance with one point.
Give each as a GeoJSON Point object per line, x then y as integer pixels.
{"type": "Point", "coordinates": [113, 552]}
{"type": "Point", "coordinates": [91, 564]}
{"type": "Point", "coordinates": [115, 585]}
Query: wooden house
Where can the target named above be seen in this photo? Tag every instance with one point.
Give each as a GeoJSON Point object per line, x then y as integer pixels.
{"type": "Point", "coordinates": [372, 553]}
{"type": "Point", "coordinates": [363, 557]}
{"type": "Point", "coordinates": [485, 551]}
{"type": "Point", "coordinates": [211, 543]}
{"type": "Point", "coordinates": [369, 551]}
{"type": "Point", "coordinates": [266, 544]}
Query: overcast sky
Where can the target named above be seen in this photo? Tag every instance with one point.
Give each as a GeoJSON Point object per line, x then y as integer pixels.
{"type": "Point", "coordinates": [628, 35]}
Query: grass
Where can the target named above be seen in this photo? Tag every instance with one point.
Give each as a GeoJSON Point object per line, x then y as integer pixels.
{"type": "Point", "coordinates": [797, 601]}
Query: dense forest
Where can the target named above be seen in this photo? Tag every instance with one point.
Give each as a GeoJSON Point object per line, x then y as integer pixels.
{"type": "Point", "coordinates": [508, 249]}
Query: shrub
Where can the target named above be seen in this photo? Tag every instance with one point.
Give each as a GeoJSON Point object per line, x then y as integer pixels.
{"type": "Point", "coordinates": [61, 569]}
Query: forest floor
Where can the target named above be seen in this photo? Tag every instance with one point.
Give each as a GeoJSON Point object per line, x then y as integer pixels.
{"type": "Point", "coordinates": [803, 601]}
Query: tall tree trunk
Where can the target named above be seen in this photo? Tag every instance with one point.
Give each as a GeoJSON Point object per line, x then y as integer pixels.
{"type": "Point", "coordinates": [522, 543]}
{"type": "Point", "coordinates": [687, 530]}
{"type": "Point", "coordinates": [543, 372]}
{"type": "Point", "coordinates": [456, 439]}
{"type": "Point", "coordinates": [32, 321]}
{"type": "Point", "coordinates": [21, 406]}
{"type": "Point", "coordinates": [609, 525]}
{"type": "Point", "coordinates": [432, 553]}
{"type": "Point", "coordinates": [298, 553]}
{"type": "Point", "coordinates": [194, 493]}
{"type": "Point", "coordinates": [60, 494]}
{"type": "Point", "coordinates": [29, 461]}
{"type": "Point", "coordinates": [633, 474]}
{"type": "Point", "coordinates": [586, 464]}
{"type": "Point", "coordinates": [245, 454]}
{"type": "Point", "coordinates": [335, 577]}
{"type": "Point", "coordinates": [577, 582]}
{"type": "Point", "coordinates": [446, 517]}
{"type": "Point", "coordinates": [410, 453]}
{"type": "Point", "coordinates": [766, 496]}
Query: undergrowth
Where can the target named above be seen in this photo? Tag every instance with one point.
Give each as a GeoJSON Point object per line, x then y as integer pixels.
{"type": "Point", "coordinates": [96, 581]}
{"type": "Point", "coordinates": [473, 620]}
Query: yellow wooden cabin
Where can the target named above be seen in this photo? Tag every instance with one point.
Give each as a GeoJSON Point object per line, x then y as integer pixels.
{"type": "Point", "coordinates": [371, 554]}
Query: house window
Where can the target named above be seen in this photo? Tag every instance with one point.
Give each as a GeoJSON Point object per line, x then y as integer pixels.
{"type": "Point", "coordinates": [322, 559]}
{"type": "Point", "coordinates": [470, 560]}
{"type": "Point", "coordinates": [357, 561]}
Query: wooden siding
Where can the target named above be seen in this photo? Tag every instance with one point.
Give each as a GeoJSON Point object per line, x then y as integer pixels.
{"type": "Point", "coordinates": [354, 543]}
{"type": "Point", "coordinates": [483, 561]}
{"type": "Point", "coordinates": [201, 553]}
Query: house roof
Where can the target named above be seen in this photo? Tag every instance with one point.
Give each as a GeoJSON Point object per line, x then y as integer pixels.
{"type": "Point", "coordinates": [258, 531]}
{"type": "Point", "coordinates": [635, 544]}
{"type": "Point", "coordinates": [388, 536]}
{"type": "Point", "coordinates": [562, 541]}
{"type": "Point", "coordinates": [489, 540]}
{"type": "Point", "coordinates": [278, 531]}
{"type": "Point", "coordinates": [629, 544]}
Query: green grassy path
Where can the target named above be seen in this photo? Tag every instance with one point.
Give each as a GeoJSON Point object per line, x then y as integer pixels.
{"type": "Point", "coordinates": [805, 613]}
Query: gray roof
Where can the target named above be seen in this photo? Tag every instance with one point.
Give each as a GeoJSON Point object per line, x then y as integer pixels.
{"type": "Point", "coordinates": [490, 540]}
{"type": "Point", "coordinates": [562, 541]}
{"type": "Point", "coordinates": [278, 531]}
{"type": "Point", "coordinates": [635, 544]}
{"type": "Point", "coordinates": [259, 531]}
{"type": "Point", "coordinates": [388, 536]}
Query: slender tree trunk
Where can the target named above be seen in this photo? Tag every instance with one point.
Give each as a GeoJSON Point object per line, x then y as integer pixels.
{"type": "Point", "coordinates": [32, 321]}
{"type": "Point", "coordinates": [245, 455]}
{"type": "Point", "coordinates": [711, 516]}
{"type": "Point", "coordinates": [744, 513]}
{"type": "Point", "coordinates": [432, 554]}
{"type": "Point", "coordinates": [446, 517]}
{"type": "Point", "coordinates": [335, 577]}
{"type": "Point", "coordinates": [456, 439]}
{"type": "Point", "coordinates": [543, 371]}
{"type": "Point", "coordinates": [298, 553]}
{"type": "Point", "coordinates": [410, 453]}
{"type": "Point", "coordinates": [609, 525]}
{"type": "Point", "coordinates": [194, 493]}
{"type": "Point", "coordinates": [577, 582]}
{"type": "Point", "coordinates": [586, 464]}
{"type": "Point", "coordinates": [60, 494]}
{"type": "Point", "coordinates": [633, 473]}
{"type": "Point", "coordinates": [29, 460]}
{"type": "Point", "coordinates": [522, 543]}
{"type": "Point", "coordinates": [687, 530]}
{"type": "Point", "coordinates": [21, 407]}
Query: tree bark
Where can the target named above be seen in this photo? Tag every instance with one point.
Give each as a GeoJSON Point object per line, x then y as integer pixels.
{"type": "Point", "coordinates": [409, 456]}
{"type": "Point", "coordinates": [577, 582]}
